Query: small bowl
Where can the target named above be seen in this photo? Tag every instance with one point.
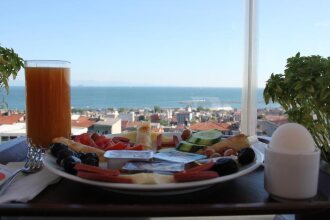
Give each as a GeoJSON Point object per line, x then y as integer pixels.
{"type": "Point", "coordinates": [117, 158]}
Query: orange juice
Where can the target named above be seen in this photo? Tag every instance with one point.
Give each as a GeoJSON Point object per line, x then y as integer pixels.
{"type": "Point", "coordinates": [48, 113]}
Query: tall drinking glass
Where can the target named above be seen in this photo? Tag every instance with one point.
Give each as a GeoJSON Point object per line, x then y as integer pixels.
{"type": "Point", "coordinates": [48, 111]}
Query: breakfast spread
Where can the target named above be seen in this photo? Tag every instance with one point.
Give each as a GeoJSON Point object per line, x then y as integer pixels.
{"type": "Point", "coordinates": [133, 158]}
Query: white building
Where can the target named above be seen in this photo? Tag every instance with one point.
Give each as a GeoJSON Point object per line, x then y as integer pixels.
{"type": "Point", "coordinates": [183, 117]}
{"type": "Point", "coordinates": [12, 131]}
{"type": "Point", "coordinates": [110, 126]}
{"type": "Point", "coordinates": [9, 132]}
{"type": "Point", "coordinates": [130, 116]}
{"type": "Point", "coordinates": [113, 114]}
{"type": "Point", "coordinates": [169, 113]}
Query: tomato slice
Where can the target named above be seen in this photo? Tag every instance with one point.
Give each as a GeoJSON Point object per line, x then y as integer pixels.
{"type": "Point", "coordinates": [102, 143]}
{"type": "Point", "coordinates": [120, 139]}
{"type": "Point", "coordinates": [117, 146]}
{"type": "Point", "coordinates": [95, 136]}
{"type": "Point", "coordinates": [136, 147]}
{"type": "Point", "coordinates": [86, 139]}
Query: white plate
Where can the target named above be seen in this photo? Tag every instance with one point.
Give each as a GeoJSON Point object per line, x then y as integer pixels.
{"type": "Point", "coordinates": [153, 189]}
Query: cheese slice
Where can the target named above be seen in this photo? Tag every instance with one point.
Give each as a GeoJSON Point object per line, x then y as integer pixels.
{"type": "Point", "coordinates": [149, 178]}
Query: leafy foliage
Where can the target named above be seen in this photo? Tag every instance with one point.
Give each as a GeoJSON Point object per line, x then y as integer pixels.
{"type": "Point", "coordinates": [122, 110]}
{"type": "Point", "coordinates": [157, 109]}
{"type": "Point", "coordinates": [10, 64]}
{"type": "Point", "coordinates": [304, 93]}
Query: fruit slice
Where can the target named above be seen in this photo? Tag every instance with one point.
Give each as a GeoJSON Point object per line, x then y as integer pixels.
{"type": "Point", "coordinates": [207, 138]}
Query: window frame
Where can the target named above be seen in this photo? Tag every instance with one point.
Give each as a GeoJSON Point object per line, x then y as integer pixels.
{"type": "Point", "coordinates": [249, 89]}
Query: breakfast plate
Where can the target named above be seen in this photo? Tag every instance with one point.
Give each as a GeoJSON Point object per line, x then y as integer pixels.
{"type": "Point", "coordinates": [153, 189]}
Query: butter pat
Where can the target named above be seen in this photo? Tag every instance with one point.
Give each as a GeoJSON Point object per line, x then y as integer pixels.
{"type": "Point", "coordinates": [117, 158]}
{"type": "Point", "coordinates": [292, 138]}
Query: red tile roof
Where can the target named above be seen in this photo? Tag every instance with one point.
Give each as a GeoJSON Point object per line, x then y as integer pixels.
{"type": "Point", "coordinates": [82, 122]}
{"type": "Point", "coordinates": [180, 127]}
{"type": "Point", "coordinates": [209, 125]}
{"type": "Point", "coordinates": [277, 119]}
{"type": "Point", "coordinates": [11, 119]}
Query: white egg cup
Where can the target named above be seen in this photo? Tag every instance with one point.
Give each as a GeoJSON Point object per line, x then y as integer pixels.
{"type": "Point", "coordinates": [291, 176]}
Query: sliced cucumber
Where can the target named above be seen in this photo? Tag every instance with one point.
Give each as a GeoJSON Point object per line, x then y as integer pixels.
{"type": "Point", "coordinates": [189, 147]}
{"type": "Point", "coordinates": [207, 138]}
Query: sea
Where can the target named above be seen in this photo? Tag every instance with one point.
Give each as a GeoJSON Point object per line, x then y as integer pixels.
{"type": "Point", "coordinates": [145, 97]}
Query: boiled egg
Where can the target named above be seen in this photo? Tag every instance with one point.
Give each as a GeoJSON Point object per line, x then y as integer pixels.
{"type": "Point", "coordinates": [292, 138]}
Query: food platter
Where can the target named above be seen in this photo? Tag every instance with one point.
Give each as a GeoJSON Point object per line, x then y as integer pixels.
{"type": "Point", "coordinates": [153, 189]}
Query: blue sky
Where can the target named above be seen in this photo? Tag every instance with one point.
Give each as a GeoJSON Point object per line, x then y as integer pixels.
{"type": "Point", "coordinates": [162, 42]}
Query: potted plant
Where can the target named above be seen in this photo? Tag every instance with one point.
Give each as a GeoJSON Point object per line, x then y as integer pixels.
{"type": "Point", "coordinates": [10, 64]}
{"type": "Point", "coordinates": [304, 93]}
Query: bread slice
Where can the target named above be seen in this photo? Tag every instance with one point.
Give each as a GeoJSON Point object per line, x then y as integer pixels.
{"type": "Point", "coordinates": [236, 142]}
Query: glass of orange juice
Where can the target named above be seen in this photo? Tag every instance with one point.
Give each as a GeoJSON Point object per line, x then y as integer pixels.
{"type": "Point", "coordinates": [48, 110]}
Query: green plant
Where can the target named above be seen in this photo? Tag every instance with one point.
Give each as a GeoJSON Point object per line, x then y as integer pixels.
{"type": "Point", "coordinates": [157, 109]}
{"type": "Point", "coordinates": [121, 110]}
{"type": "Point", "coordinates": [304, 93]}
{"type": "Point", "coordinates": [10, 64]}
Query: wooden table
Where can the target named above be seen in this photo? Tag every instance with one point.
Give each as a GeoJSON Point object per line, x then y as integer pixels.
{"type": "Point", "coordinates": [242, 196]}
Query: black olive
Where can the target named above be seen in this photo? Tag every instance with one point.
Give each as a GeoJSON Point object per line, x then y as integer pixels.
{"type": "Point", "coordinates": [80, 155]}
{"type": "Point", "coordinates": [246, 156]}
{"type": "Point", "coordinates": [92, 155]}
{"type": "Point", "coordinates": [225, 166]}
{"type": "Point", "coordinates": [91, 161]}
{"type": "Point", "coordinates": [56, 147]}
{"type": "Point", "coordinates": [68, 164]}
{"type": "Point", "coordinates": [62, 154]}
